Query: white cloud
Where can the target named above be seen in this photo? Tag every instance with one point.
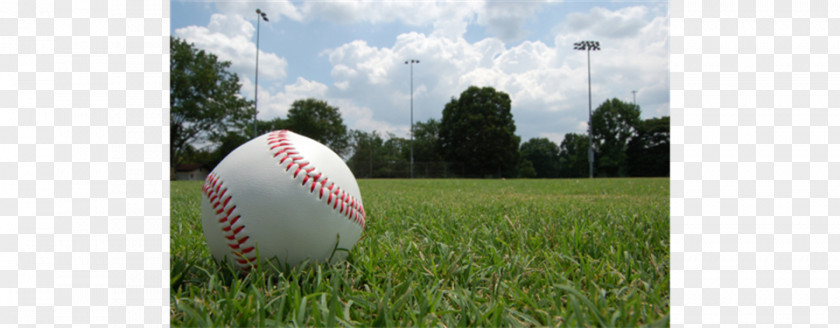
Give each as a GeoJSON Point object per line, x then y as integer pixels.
{"type": "Point", "coordinates": [449, 18]}
{"type": "Point", "coordinates": [275, 10]}
{"type": "Point", "coordinates": [625, 22]}
{"type": "Point", "coordinates": [362, 118]}
{"type": "Point", "coordinates": [547, 83]}
{"type": "Point", "coordinates": [230, 38]}
{"type": "Point", "coordinates": [409, 12]}
{"type": "Point", "coordinates": [505, 19]}
{"type": "Point", "coordinates": [272, 105]}
{"type": "Point", "coordinates": [374, 62]}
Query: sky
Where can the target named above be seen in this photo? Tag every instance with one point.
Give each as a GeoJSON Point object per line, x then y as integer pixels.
{"type": "Point", "coordinates": [352, 53]}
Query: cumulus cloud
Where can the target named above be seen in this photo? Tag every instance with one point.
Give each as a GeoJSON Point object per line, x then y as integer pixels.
{"type": "Point", "coordinates": [449, 18]}
{"type": "Point", "coordinates": [505, 19]}
{"type": "Point", "coordinates": [230, 37]}
{"type": "Point", "coordinates": [276, 104]}
{"type": "Point", "coordinates": [362, 118]}
{"type": "Point", "coordinates": [275, 10]}
{"type": "Point", "coordinates": [547, 82]}
{"type": "Point", "coordinates": [625, 22]}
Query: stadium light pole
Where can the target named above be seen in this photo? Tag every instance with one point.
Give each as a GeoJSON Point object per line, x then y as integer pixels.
{"type": "Point", "coordinates": [411, 63]}
{"type": "Point", "coordinates": [260, 14]}
{"type": "Point", "coordinates": [634, 97]}
{"type": "Point", "coordinates": [589, 45]}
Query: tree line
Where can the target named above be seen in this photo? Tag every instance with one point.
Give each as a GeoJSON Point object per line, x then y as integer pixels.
{"type": "Point", "coordinates": [475, 136]}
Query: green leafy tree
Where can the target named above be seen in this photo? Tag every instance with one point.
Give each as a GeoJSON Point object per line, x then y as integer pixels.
{"type": "Point", "coordinates": [544, 156]}
{"type": "Point", "coordinates": [526, 169]}
{"type": "Point", "coordinates": [227, 144]}
{"type": "Point", "coordinates": [613, 124]}
{"type": "Point", "coordinates": [648, 153]}
{"type": "Point", "coordinates": [426, 137]}
{"type": "Point", "coordinates": [574, 155]}
{"type": "Point", "coordinates": [367, 147]}
{"type": "Point", "coordinates": [271, 125]}
{"type": "Point", "coordinates": [204, 99]}
{"type": "Point", "coordinates": [378, 157]}
{"type": "Point", "coordinates": [477, 131]}
{"type": "Point", "coordinates": [205, 157]}
{"type": "Point", "coordinates": [318, 120]}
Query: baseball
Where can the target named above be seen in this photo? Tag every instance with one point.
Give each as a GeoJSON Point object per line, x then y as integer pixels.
{"type": "Point", "coordinates": [284, 197]}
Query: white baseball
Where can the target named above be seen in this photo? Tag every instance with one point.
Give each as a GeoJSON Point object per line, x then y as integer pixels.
{"type": "Point", "coordinates": [282, 196]}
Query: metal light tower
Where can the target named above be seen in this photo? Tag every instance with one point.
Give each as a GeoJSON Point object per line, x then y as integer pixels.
{"type": "Point", "coordinates": [260, 14]}
{"type": "Point", "coordinates": [634, 97]}
{"type": "Point", "coordinates": [589, 45]}
{"type": "Point", "coordinates": [411, 63]}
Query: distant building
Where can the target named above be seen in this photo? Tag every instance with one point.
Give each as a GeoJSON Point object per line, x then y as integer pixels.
{"type": "Point", "coordinates": [190, 172]}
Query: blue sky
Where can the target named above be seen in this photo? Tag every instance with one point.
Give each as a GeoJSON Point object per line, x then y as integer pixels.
{"type": "Point", "coordinates": [351, 53]}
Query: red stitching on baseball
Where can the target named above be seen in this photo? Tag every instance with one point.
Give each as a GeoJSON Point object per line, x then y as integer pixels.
{"type": "Point", "coordinates": [213, 190]}
{"type": "Point", "coordinates": [350, 208]}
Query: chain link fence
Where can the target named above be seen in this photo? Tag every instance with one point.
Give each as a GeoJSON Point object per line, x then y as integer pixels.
{"type": "Point", "coordinates": [402, 169]}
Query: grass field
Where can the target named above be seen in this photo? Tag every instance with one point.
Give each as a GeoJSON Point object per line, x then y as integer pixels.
{"type": "Point", "coordinates": [453, 253]}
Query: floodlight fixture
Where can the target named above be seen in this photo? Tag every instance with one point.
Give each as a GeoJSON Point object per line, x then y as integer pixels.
{"type": "Point", "coordinates": [262, 14]}
{"type": "Point", "coordinates": [588, 45]}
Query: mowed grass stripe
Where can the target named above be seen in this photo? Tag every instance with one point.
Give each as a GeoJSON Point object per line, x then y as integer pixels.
{"type": "Point", "coordinates": [453, 252]}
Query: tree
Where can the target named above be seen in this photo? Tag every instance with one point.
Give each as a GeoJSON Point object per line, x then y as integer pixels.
{"type": "Point", "coordinates": [321, 122]}
{"type": "Point", "coordinates": [613, 124]}
{"type": "Point", "coordinates": [203, 157]}
{"type": "Point", "coordinates": [648, 153]}
{"type": "Point", "coordinates": [526, 169]}
{"type": "Point", "coordinates": [227, 144]}
{"type": "Point", "coordinates": [574, 155]}
{"type": "Point", "coordinates": [426, 137]}
{"type": "Point", "coordinates": [278, 123]}
{"type": "Point", "coordinates": [366, 151]}
{"type": "Point", "coordinates": [375, 157]}
{"type": "Point", "coordinates": [544, 156]}
{"type": "Point", "coordinates": [477, 130]}
{"type": "Point", "coordinates": [204, 98]}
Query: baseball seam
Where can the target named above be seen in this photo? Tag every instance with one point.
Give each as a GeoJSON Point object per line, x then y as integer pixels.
{"type": "Point", "coordinates": [230, 222]}
{"type": "Point", "coordinates": [291, 161]}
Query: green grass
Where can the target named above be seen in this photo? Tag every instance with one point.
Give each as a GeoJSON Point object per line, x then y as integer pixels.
{"type": "Point", "coordinates": [453, 253]}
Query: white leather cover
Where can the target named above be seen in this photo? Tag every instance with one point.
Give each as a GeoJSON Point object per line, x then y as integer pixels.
{"type": "Point", "coordinates": [253, 203]}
